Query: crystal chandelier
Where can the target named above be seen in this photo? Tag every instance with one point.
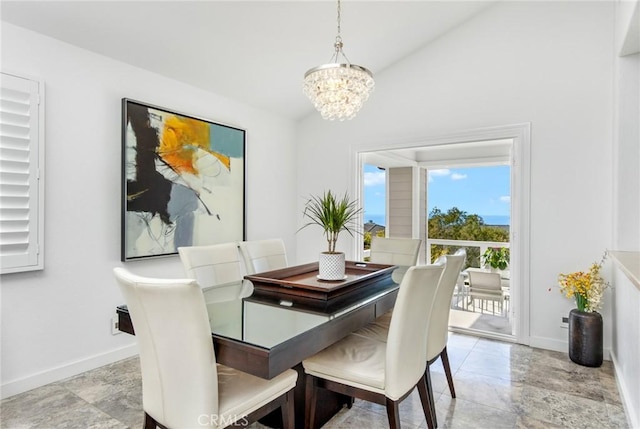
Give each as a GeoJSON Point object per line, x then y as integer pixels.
{"type": "Point", "coordinates": [338, 90]}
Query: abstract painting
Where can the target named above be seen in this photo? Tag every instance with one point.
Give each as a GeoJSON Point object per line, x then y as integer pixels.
{"type": "Point", "coordinates": [183, 181]}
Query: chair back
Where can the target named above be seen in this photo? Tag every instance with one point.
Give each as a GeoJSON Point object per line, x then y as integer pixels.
{"type": "Point", "coordinates": [461, 278]}
{"type": "Point", "coordinates": [216, 268]}
{"type": "Point", "coordinates": [406, 358]}
{"type": "Point", "coordinates": [461, 251]}
{"type": "Point", "coordinates": [439, 324]}
{"type": "Point", "coordinates": [263, 255]}
{"type": "Point", "coordinates": [177, 361]}
{"type": "Point", "coordinates": [484, 281]}
{"type": "Point", "coordinates": [395, 251]}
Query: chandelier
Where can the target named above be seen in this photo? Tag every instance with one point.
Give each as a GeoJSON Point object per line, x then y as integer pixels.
{"type": "Point", "coordinates": [338, 90]}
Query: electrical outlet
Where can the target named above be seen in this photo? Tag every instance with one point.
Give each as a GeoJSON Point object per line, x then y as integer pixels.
{"type": "Point", "coordinates": [565, 323]}
{"type": "Point", "coordinates": [114, 326]}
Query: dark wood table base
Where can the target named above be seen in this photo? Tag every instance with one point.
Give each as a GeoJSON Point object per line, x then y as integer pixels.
{"type": "Point", "coordinates": [329, 403]}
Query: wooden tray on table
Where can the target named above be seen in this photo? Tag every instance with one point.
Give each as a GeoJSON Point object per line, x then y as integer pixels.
{"type": "Point", "coordinates": [300, 287]}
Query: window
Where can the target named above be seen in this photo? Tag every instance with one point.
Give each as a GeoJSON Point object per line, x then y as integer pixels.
{"type": "Point", "coordinates": [21, 170]}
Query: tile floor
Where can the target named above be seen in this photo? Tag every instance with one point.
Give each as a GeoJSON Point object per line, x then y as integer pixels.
{"type": "Point", "coordinates": [498, 385]}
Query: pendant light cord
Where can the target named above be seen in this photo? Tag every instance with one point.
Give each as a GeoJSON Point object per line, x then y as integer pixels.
{"type": "Point", "coordinates": [338, 44]}
{"type": "Point", "coordinates": [339, 18]}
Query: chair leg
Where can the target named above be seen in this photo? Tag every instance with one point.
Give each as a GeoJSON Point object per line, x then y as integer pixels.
{"type": "Point", "coordinates": [444, 356]}
{"type": "Point", "coordinates": [310, 402]}
{"type": "Point", "coordinates": [432, 402]}
{"type": "Point", "coordinates": [426, 403]}
{"type": "Point", "coordinates": [393, 414]}
{"type": "Point", "coordinates": [149, 422]}
{"type": "Point", "coordinates": [288, 411]}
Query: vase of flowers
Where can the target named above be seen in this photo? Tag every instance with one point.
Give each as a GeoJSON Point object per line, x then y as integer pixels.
{"type": "Point", "coordinates": [585, 323]}
{"type": "Point", "coordinates": [334, 215]}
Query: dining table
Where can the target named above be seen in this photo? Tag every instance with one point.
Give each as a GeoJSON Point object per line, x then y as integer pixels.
{"type": "Point", "coordinates": [288, 315]}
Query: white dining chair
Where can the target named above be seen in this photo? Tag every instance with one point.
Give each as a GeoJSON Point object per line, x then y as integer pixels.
{"type": "Point", "coordinates": [384, 372]}
{"type": "Point", "coordinates": [263, 255]}
{"type": "Point", "coordinates": [438, 332]}
{"type": "Point", "coordinates": [395, 251]}
{"type": "Point", "coordinates": [217, 269]}
{"type": "Point", "coordinates": [182, 386]}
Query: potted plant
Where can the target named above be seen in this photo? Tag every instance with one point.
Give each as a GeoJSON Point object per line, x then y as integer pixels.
{"type": "Point", "coordinates": [334, 215]}
{"type": "Point", "coordinates": [496, 257]}
{"type": "Point", "coordinates": [585, 323]}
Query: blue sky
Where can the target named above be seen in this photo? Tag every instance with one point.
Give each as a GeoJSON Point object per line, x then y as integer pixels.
{"type": "Point", "coordinates": [480, 190]}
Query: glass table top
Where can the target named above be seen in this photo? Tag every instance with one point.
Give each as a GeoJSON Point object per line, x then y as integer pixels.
{"type": "Point", "coordinates": [266, 324]}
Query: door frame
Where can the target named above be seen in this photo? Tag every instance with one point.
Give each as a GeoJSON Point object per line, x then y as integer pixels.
{"type": "Point", "coordinates": [520, 238]}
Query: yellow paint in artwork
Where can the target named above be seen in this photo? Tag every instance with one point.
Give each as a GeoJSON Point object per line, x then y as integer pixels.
{"type": "Point", "coordinates": [225, 160]}
{"type": "Point", "coordinates": [181, 138]}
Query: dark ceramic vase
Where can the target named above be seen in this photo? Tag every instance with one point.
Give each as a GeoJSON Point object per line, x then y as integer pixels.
{"type": "Point", "coordinates": [585, 338]}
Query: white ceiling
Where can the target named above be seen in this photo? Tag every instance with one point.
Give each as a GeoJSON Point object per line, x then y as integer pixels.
{"type": "Point", "coordinates": [255, 52]}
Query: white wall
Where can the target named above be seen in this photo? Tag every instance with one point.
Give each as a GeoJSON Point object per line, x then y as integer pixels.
{"type": "Point", "coordinates": [628, 27]}
{"type": "Point", "coordinates": [544, 63]}
{"type": "Point", "coordinates": [56, 322]}
{"type": "Point", "coordinates": [627, 154]}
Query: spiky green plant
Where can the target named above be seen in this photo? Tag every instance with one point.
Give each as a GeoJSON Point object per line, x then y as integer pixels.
{"type": "Point", "coordinates": [332, 214]}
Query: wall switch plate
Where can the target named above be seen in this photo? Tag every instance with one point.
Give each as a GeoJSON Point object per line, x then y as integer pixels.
{"type": "Point", "coordinates": [114, 326]}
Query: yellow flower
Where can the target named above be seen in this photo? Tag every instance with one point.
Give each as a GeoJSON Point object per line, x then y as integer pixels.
{"type": "Point", "coordinates": [586, 287]}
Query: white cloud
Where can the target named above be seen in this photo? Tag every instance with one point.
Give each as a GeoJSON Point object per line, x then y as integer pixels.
{"type": "Point", "coordinates": [441, 172]}
{"type": "Point", "coordinates": [505, 198]}
{"type": "Point", "coordinates": [458, 176]}
{"type": "Point", "coordinates": [374, 178]}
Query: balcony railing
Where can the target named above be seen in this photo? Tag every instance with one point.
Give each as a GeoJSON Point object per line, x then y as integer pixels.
{"type": "Point", "coordinates": [481, 245]}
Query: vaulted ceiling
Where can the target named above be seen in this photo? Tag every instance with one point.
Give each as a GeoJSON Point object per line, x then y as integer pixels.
{"type": "Point", "coordinates": [255, 52]}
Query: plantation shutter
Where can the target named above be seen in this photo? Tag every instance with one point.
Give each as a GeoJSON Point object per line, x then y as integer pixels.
{"type": "Point", "coordinates": [20, 190]}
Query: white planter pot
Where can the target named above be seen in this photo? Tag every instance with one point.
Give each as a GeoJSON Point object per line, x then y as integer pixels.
{"type": "Point", "coordinates": [331, 266]}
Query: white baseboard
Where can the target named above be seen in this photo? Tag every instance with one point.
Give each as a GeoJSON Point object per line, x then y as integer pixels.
{"type": "Point", "coordinates": [548, 344]}
{"type": "Point", "coordinates": [633, 419]}
{"type": "Point", "coordinates": [559, 346]}
{"type": "Point", "coordinates": [24, 384]}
